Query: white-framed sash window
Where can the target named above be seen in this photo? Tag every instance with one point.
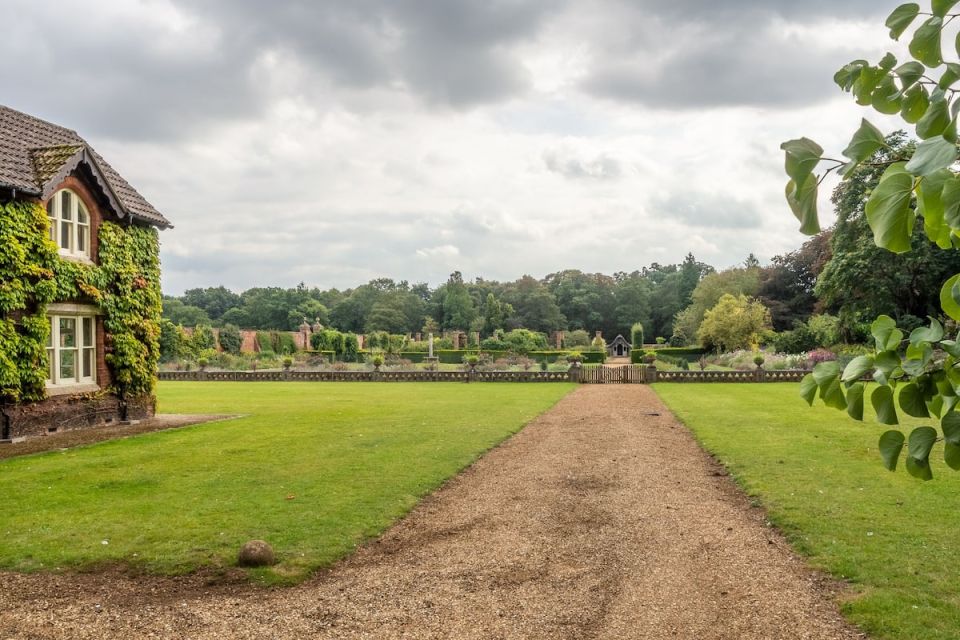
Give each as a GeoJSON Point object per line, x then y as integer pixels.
{"type": "Point", "coordinates": [69, 224]}
{"type": "Point", "coordinates": [72, 351]}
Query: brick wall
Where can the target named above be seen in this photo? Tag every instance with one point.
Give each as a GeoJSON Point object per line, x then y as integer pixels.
{"type": "Point", "coordinates": [63, 413]}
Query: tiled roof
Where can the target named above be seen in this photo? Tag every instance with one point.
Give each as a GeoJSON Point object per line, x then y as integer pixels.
{"type": "Point", "coordinates": [33, 152]}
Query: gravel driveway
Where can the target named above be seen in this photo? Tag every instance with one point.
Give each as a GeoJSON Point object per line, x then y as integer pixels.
{"type": "Point", "coordinates": [598, 520]}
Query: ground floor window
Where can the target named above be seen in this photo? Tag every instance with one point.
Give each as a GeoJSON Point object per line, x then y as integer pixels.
{"type": "Point", "coordinates": [71, 350]}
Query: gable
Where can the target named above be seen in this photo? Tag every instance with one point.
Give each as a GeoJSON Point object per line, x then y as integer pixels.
{"type": "Point", "coordinates": [36, 155]}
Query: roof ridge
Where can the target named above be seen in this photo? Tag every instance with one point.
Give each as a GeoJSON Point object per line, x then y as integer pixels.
{"type": "Point", "coordinates": [46, 122]}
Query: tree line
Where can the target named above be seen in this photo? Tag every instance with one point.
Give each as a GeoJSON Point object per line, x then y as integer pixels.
{"type": "Point", "coordinates": [839, 273]}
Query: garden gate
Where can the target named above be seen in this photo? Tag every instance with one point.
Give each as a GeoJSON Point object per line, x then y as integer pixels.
{"type": "Point", "coordinates": [626, 374]}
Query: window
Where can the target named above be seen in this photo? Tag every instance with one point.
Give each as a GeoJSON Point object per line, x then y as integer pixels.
{"type": "Point", "coordinates": [69, 223]}
{"type": "Point", "coordinates": [71, 351]}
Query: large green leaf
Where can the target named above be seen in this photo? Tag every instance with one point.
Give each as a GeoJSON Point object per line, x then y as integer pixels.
{"type": "Point", "coordinates": [887, 361]}
{"type": "Point", "coordinates": [941, 7]}
{"type": "Point", "coordinates": [930, 206]}
{"type": "Point", "coordinates": [936, 119]}
{"type": "Point", "coordinates": [885, 333]}
{"type": "Point", "coordinates": [933, 333]}
{"type": "Point", "coordinates": [831, 393]}
{"type": "Point", "coordinates": [916, 99]}
{"type": "Point", "coordinates": [951, 455]}
{"type": "Point", "coordinates": [919, 468]}
{"type": "Point", "coordinates": [886, 97]}
{"type": "Point", "coordinates": [950, 198]}
{"type": "Point", "coordinates": [912, 401]}
{"type": "Point", "coordinates": [950, 425]}
{"type": "Point", "coordinates": [949, 303]}
{"type": "Point", "coordinates": [882, 401]}
{"type": "Point", "coordinates": [931, 156]}
{"type": "Point", "coordinates": [802, 156]}
{"type": "Point", "coordinates": [850, 73]}
{"type": "Point", "coordinates": [891, 444]}
{"type": "Point", "coordinates": [925, 45]}
{"type": "Point", "coordinates": [803, 203]}
{"type": "Point", "coordinates": [808, 389]}
{"type": "Point", "coordinates": [824, 372]}
{"type": "Point", "coordinates": [888, 210]}
{"type": "Point", "coordinates": [909, 74]}
{"type": "Point", "coordinates": [919, 446]}
{"type": "Point", "coordinates": [865, 142]}
{"type": "Point", "coordinates": [901, 18]}
{"type": "Point", "coordinates": [857, 368]}
{"type": "Point", "coordinates": [866, 83]}
{"type": "Point", "coordinates": [855, 401]}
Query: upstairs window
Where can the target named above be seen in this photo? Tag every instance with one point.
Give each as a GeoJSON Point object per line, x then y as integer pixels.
{"type": "Point", "coordinates": [69, 224]}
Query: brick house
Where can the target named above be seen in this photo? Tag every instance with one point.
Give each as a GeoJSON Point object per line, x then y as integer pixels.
{"type": "Point", "coordinates": [45, 164]}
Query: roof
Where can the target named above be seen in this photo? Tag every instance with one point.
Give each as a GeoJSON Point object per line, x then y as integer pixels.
{"type": "Point", "coordinates": [621, 340]}
{"type": "Point", "coordinates": [36, 155]}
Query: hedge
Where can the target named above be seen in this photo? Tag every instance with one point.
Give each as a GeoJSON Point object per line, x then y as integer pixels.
{"type": "Point", "coordinates": [690, 353]}
{"type": "Point", "coordinates": [456, 356]}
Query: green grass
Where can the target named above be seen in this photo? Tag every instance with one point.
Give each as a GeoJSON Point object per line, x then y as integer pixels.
{"type": "Point", "coordinates": [314, 469]}
{"type": "Point", "coordinates": [818, 473]}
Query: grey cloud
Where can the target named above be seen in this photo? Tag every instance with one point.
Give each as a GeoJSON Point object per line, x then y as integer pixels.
{"type": "Point", "coordinates": [707, 210]}
{"type": "Point", "coordinates": [695, 53]}
{"type": "Point", "coordinates": [129, 77]}
{"type": "Point", "coordinates": [602, 167]}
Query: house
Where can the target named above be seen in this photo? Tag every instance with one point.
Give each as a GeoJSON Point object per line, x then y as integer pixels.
{"type": "Point", "coordinates": [79, 284]}
{"type": "Point", "coordinates": [619, 347]}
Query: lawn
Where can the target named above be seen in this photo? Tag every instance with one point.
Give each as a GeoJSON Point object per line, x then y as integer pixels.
{"type": "Point", "coordinates": [818, 474]}
{"type": "Point", "coordinates": [315, 469]}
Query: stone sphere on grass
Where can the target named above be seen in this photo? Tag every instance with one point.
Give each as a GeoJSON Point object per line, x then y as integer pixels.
{"type": "Point", "coordinates": [256, 553]}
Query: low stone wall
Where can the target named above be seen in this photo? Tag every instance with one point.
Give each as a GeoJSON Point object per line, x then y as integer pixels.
{"type": "Point", "coordinates": [370, 376]}
{"type": "Point", "coordinates": [755, 375]}
{"type": "Point", "coordinates": [62, 413]}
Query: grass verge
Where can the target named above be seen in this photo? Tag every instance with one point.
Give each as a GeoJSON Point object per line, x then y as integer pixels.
{"type": "Point", "coordinates": [818, 474]}
{"type": "Point", "coordinates": [315, 469]}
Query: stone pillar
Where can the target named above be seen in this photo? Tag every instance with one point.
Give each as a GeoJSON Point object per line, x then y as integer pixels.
{"type": "Point", "coordinates": [419, 337]}
{"type": "Point", "coordinates": [430, 345]}
{"type": "Point", "coordinates": [360, 340]}
{"type": "Point", "coordinates": [476, 338]}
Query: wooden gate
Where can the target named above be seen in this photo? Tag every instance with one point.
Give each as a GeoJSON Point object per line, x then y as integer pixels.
{"type": "Point", "coordinates": [626, 374]}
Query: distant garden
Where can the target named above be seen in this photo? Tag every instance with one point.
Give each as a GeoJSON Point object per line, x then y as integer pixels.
{"type": "Point", "coordinates": [805, 306]}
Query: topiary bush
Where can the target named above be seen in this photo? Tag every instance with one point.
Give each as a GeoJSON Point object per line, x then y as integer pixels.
{"type": "Point", "coordinates": [230, 339]}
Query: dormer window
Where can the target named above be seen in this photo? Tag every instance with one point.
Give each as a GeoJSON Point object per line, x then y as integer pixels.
{"type": "Point", "coordinates": [69, 224]}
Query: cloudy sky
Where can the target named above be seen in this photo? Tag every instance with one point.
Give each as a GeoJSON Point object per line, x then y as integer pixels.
{"type": "Point", "coordinates": [335, 142]}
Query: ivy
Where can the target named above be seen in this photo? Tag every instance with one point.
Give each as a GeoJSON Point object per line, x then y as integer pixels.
{"type": "Point", "coordinates": [125, 285]}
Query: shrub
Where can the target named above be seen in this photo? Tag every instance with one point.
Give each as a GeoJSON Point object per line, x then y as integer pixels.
{"type": "Point", "coordinates": [230, 339]}
{"type": "Point", "coordinates": [264, 342]}
{"type": "Point", "coordinates": [825, 329]}
{"type": "Point", "coordinates": [661, 340]}
{"type": "Point", "coordinates": [636, 335]}
{"type": "Point", "coordinates": [283, 343]}
{"type": "Point", "coordinates": [576, 338]}
{"type": "Point", "coordinates": [171, 341]}
{"type": "Point", "coordinates": [800, 339]}
{"type": "Point", "coordinates": [817, 356]}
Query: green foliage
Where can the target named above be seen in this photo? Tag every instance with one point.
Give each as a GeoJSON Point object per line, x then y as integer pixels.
{"type": "Point", "coordinates": [636, 335]}
{"type": "Point", "coordinates": [182, 314]}
{"type": "Point", "coordinates": [129, 281]}
{"type": "Point", "coordinates": [230, 339]}
{"type": "Point", "coordinates": [576, 338]}
{"type": "Point", "coordinates": [265, 342]}
{"type": "Point", "coordinates": [27, 263]}
{"type": "Point", "coordinates": [171, 341]}
{"type": "Point", "coordinates": [734, 323]}
{"type": "Point", "coordinates": [916, 181]}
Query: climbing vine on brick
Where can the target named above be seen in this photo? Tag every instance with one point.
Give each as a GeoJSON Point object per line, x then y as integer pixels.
{"type": "Point", "coordinates": [27, 260]}
{"type": "Point", "coordinates": [126, 287]}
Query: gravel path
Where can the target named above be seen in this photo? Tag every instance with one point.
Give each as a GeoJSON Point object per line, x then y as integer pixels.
{"type": "Point", "coordinates": [598, 520]}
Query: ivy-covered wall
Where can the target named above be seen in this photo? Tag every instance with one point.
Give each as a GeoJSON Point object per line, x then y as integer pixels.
{"type": "Point", "coordinates": [125, 285]}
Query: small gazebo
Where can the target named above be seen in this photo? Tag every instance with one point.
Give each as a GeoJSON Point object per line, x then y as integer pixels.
{"type": "Point", "coordinates": [619, 347]}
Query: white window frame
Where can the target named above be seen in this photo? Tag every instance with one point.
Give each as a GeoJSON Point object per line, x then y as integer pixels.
{"type": "Point", "coordinates": [84, 347]}
{"type": "Point", "coordinates": [69, 225]}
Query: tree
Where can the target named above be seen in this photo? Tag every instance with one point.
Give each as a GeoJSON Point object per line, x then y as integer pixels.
{"type": "Point", "coordinates": [457, 306]}
{"type": "Point", "coordinates": [534, 307]}
{"type": "Point", "coordinates": [916, 185]}
{"type": "Point", "coordinates": [736, 281]}
{"type": "Point", "coordinates": [735, 322]}
{"type": "Point", "coordinates": [215, 301]}
{"type": "Point", "coordinates": [230, 339]}
{"type": "Point", "coordinates": [186, 315]}
{"type": "Point", "coordinates": [787, 284]}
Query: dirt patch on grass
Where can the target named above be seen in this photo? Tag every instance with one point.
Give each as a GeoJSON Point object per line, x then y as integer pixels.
{"type": "Point", "coordinates": [598, 520]}
{"type": "Point", "coordinates": [77, 437]}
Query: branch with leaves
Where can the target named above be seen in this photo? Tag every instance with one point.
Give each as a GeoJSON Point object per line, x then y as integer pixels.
{"type": "Point", "coordinates": [925, 367]}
